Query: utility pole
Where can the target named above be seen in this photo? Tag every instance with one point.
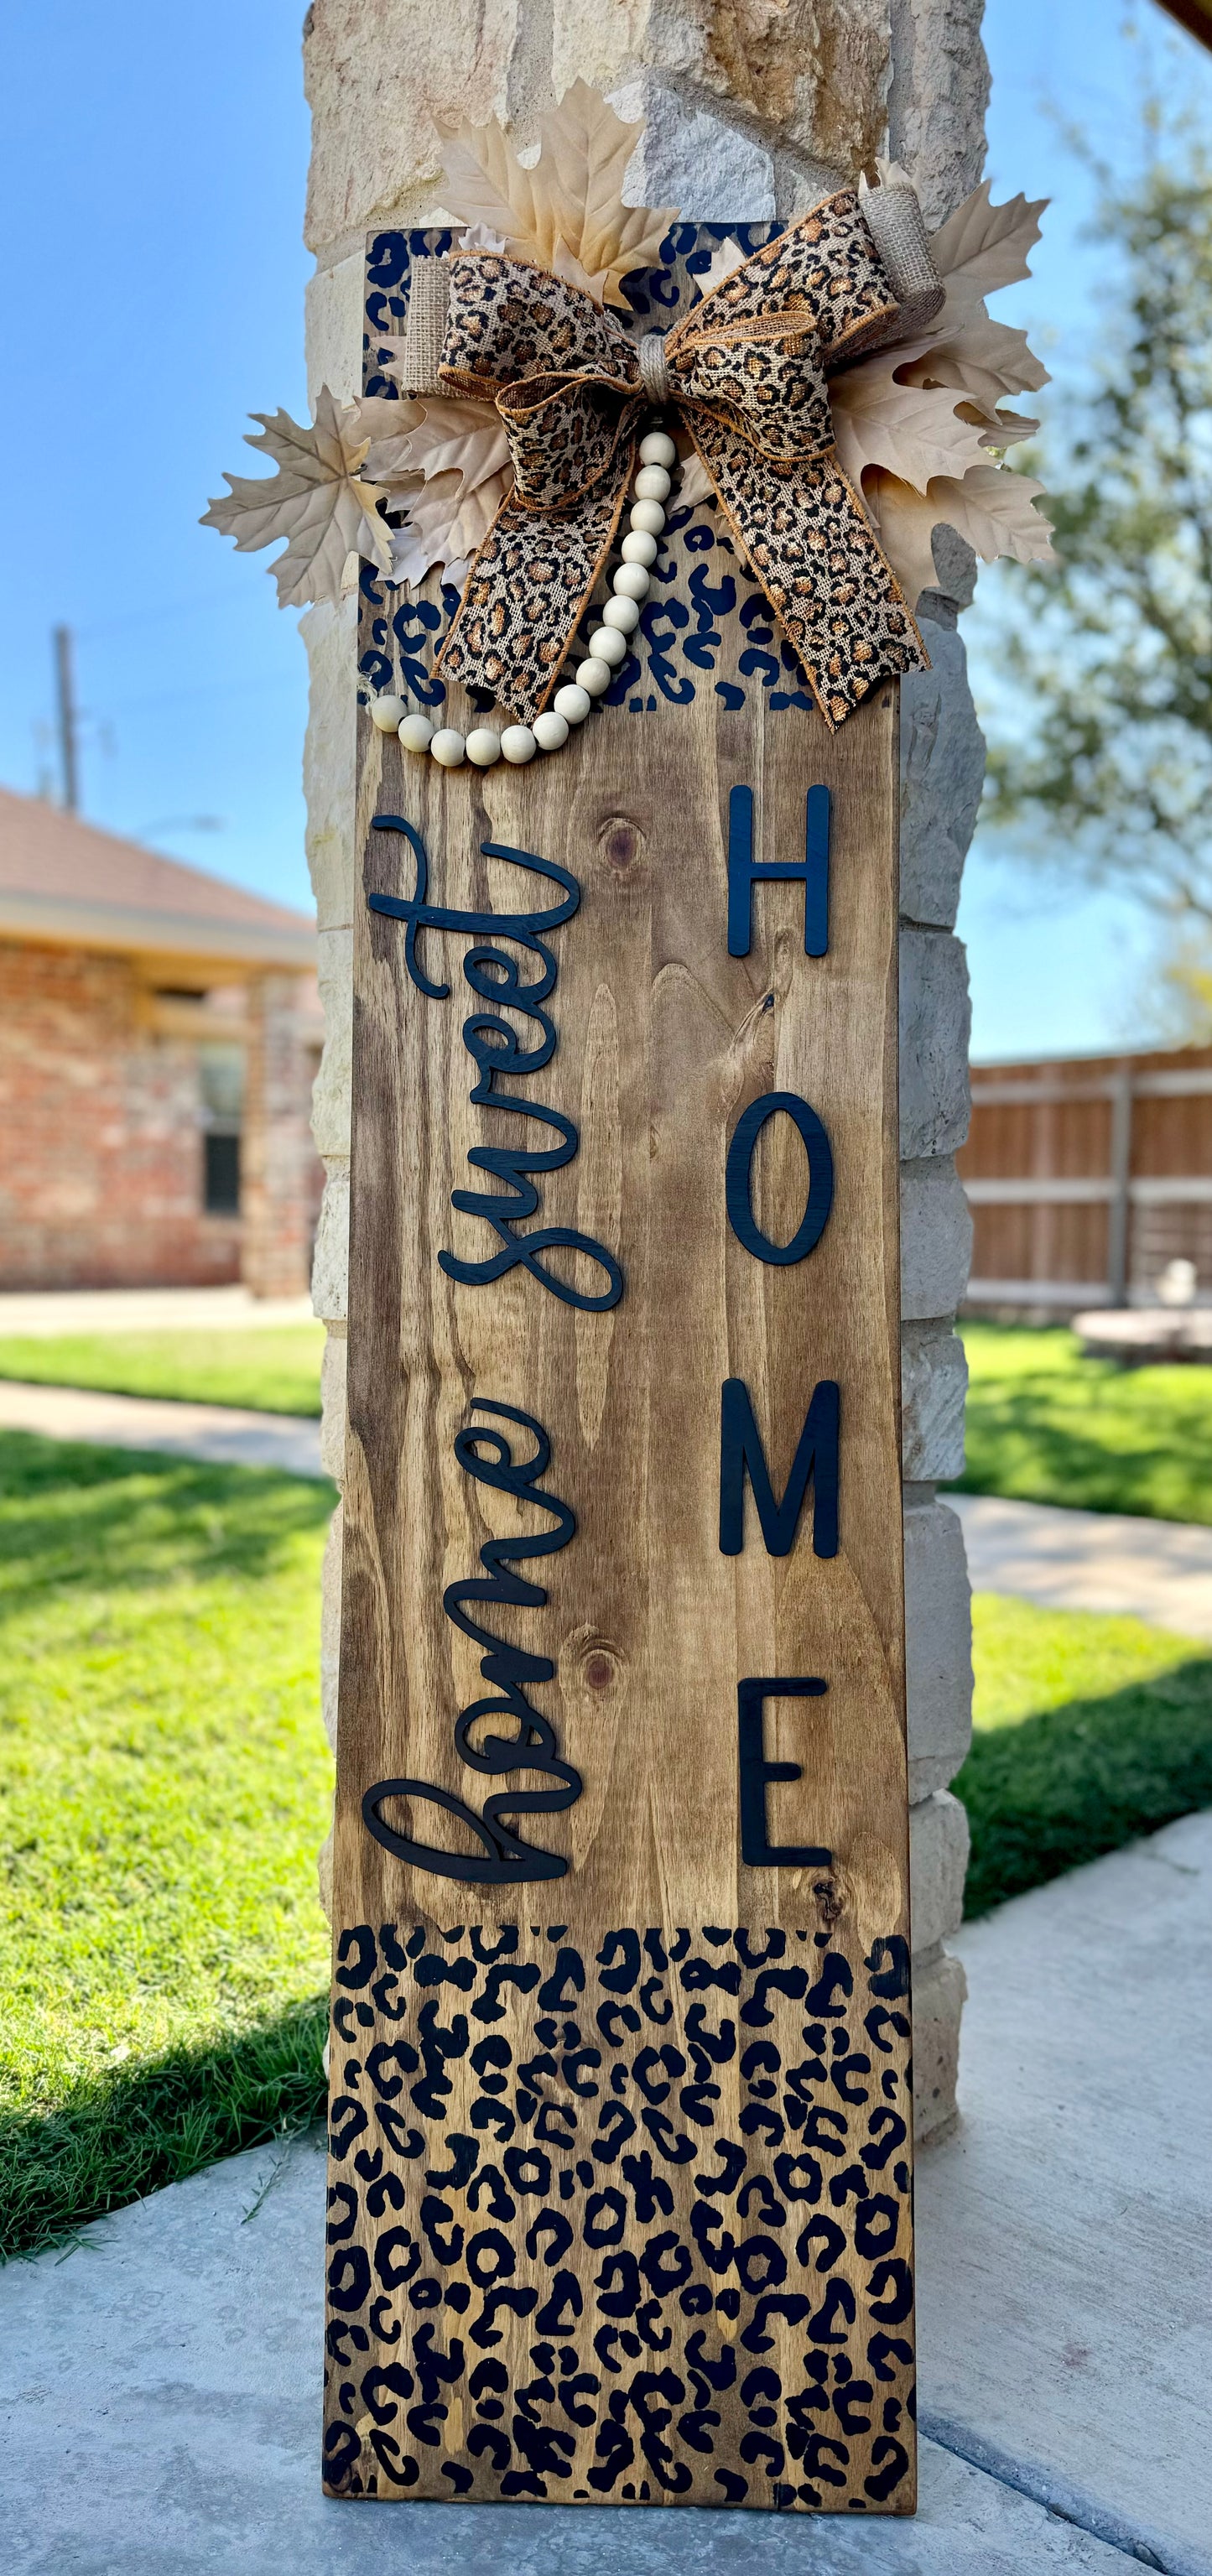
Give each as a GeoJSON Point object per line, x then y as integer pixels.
{"type": "Point", "coordinates": [65, 694]}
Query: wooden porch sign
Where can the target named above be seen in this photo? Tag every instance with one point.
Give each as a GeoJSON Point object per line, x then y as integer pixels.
{"type": "Point", "coordinates": [620, 2204]}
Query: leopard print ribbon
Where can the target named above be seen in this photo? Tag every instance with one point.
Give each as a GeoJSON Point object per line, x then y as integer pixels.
{"type": "Point", "coordinates": [747, 372]}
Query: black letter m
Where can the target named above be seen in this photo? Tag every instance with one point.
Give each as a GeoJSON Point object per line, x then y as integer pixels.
{"type": "Point", "coordinates": [741, 1449]}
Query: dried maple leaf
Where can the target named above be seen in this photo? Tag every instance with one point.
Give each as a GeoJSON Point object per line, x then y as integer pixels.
{"type": "Point", "coordinates": [982, 247]}
{"type": "Point", "coordinates": [447, 466]}
{"type": "Point", "coordinates": [992, 508]}
{"type": "Point", "coordinates": [567, 210]}
{"type": "Point", "coordinates": [914, 432]}
{"type": "Point", "coordinates": [315, 500]}
{"type": "Point", "coordinates": [726, 256]}
{"type": "Point", "coordinates": [981, 358]}
{"type": "Point", "coordinates": [694, 484]}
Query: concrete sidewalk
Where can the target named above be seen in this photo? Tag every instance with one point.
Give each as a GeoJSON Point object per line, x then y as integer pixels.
{"type": "Point", "coordinates": [160, 2384]}
{"type": "Point", "coordinates": [1106, 1561]}
{"type": "Point", "coordinates": [224, 1434]}
{"type": "Point", "coordinates": [44, 1312]}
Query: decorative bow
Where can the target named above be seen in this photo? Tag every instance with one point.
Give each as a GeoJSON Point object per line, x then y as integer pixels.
{"type": "Point", "coordinates": [746, 371]}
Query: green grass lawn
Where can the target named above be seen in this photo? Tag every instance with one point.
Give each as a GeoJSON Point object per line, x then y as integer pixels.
{"type": "Point", "coordinates": [272, 1369]}
{"type": "Point", "coordinates": [1047, 1425]}
{"type": "Point", "coordinates": [1087, 1731]}
{"type": "Point", "coordinates": [164, 1786]}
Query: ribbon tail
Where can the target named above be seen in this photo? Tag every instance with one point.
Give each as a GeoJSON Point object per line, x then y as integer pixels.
{"type": "Point", "coordinates": [811, 546]}
{"type": "Point", "coordinates": [526, 592]}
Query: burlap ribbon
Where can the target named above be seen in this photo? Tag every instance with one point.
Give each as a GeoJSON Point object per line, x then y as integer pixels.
{"type": "Point", "coordinates": [746, 372]}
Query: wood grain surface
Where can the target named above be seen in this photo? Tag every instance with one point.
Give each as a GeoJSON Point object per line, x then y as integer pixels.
{"type": "Point", "coordinates": [620, 2202]}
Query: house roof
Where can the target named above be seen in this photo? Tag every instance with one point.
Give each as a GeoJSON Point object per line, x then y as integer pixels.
{"type": "Point", "coordinates": [62, 881]}
{"type": "Point", "coordinates": [1194, 15]}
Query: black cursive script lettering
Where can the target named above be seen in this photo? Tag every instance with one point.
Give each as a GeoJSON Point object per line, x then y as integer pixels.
{"type": "Point", "coordinates": [503, 1858]}
{"type": "Point", "coordinates": [495, 975]}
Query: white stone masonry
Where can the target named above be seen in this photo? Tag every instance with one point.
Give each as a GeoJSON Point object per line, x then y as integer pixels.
{"type": "Point", "coordinates": [751, 110]}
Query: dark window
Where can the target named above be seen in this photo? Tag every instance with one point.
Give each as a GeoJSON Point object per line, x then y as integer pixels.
{"type": "Point", "coordinates": [221, 1182]}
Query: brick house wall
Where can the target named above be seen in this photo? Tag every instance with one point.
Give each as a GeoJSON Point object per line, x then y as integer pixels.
{"type": "Point", "coordinates": [103, 1120]}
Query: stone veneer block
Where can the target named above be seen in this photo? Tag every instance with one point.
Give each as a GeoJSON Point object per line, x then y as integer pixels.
{"type": "Point", "coordinates": [938, 1646]}
{"type": "Point", "coordinates": [332, 1089]}
{"type": "Point", "coordinates": [939, 1988]}
{"type": "Point", "coordinates": [934, 1382]}
{"type": "Point", "coordinates": [333, 307]}
{"type": "Point", "coordinates": [812, 74]}
{"type": "Point", "coordinates": [936, 1239]}
{"type": "Point", "coordinates": [329, 757]}
{"type": "Point", "coordinates": [942, 773]}
{"type": "Point", "coordinates": [938, 1857]}
{"type": "Point", "coordinates": [375, 78]}
{"type": "Point", "coordinates": [330, 1266]}
{"type": "Point", "coordinates": [330, 1623]}
{"type": "Point", "coordinates": [938, 97]}
{"type": "Point", "coordinates": [332, 1402]}
{"type": "Point", "coordinates": [936, 1022]}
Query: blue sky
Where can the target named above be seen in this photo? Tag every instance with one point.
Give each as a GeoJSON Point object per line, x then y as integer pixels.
{"type": "Point", "coordinates": [153, 167]}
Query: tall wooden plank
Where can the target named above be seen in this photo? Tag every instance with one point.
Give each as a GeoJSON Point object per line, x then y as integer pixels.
{"type": "Point", "coordinates": [620, 2185]}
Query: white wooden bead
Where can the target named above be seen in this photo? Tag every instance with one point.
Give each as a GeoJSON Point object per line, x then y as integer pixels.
{"type": "Point", "coordinates": [416, 733]}
{"type": "Point", "coordinates": [551, 730]}
{"type": "Point", "coordinates": [648, 517]}
{"type": "Point", "coordinates": [573, 703]}
{"type": "Point", "coordinates": [623, 613]}
{"type": "Point", "coordinates": [594, 676]}
{"type": "Point", "coordinates": [638, 547]}
{"type": "Point", "coordinates": [607, 645]}
{"type": "Point", "coordinates": [483, 746]}
{"type": "Point", "coordinates": [447, 747]}
{"type": "Point", "coordinates": [658, 448]}
{"type": "Point", "coordinates": [385, 714]}
{"type": "Point", "coordinates": [631, 582]}
{"type": "Point", "coordinates": [518, 744]}
{"type": "Point", "coordinates": [652, 483]}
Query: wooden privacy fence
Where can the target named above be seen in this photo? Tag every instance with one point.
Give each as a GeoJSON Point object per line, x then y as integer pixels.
{"type": "Point", "coordinates": [1086, 1175]}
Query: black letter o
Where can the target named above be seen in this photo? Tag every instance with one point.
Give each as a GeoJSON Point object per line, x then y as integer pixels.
{"type": "Point", "coordinates": [739, 1172]}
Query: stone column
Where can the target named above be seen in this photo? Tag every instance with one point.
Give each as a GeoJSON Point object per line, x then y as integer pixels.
{"type": "Point", "coordinates": [276, 1152]}
{"type": "Point", "coordinates": [751, 112]}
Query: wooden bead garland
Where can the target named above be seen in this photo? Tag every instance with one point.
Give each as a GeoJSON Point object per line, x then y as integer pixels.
{"type": "Point", "coordinates": [630, 583]}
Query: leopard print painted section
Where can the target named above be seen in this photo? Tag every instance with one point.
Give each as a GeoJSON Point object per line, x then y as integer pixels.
{"type": "Point", "coordinates": [601, 2224]}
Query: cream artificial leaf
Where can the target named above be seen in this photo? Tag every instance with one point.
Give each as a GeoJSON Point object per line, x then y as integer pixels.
{"type": "Point", "coordinates": [982, 247]}
{"type": "Point", "coordinates": [487, 188]}
{"type": "Point", "coordinates": [694, 484]}
{"type": "Point", "coordinates": [584, 151]}
{"type": "Point", "coordinates": [982, 358]}
{"type": "Point", "coordinates": [568, 206]}
{"type": "Point", "coordinates": [448, 469]}
{"type": "Point", "coordinates": [726, 256]}
{"type": "Point", "coordinates": [564, 264]}
{"type": "Point", "coordinates": [315, 500]}
{"type": "Point", "coordinates": [440, 436]}
{"type": "Point", "coordinates": [444, 528]}
{"type": "Point", "coordinates": [449, 472]}
{"type": "Point", "coordinates": [388, 428]}
{"type": "Point", "coordinates": [911, 431]}
{"type": "Point", "coordinates": [995, 510]}
{"type": "Point", "coordinates": [992, 508]}
{"type": "Point", "coordinates": [998, 428]}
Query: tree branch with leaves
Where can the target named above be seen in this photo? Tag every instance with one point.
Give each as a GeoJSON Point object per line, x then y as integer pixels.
{"type": "Point", "coordinates": [1108, 758]}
